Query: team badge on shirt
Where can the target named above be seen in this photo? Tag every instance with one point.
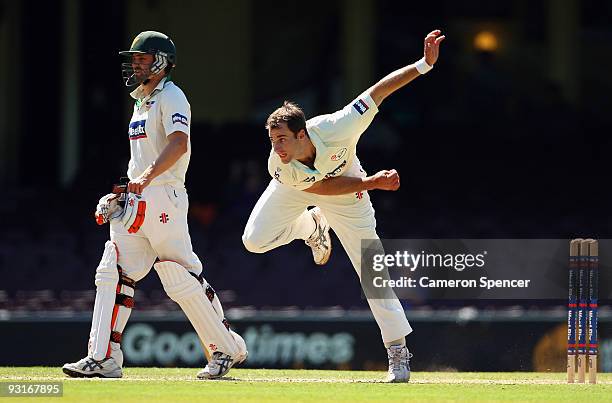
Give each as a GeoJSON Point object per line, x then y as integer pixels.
{"type": "Point", "coordinates": [178, 118]}
{"type": "Point", "coordinates": [361, 106]}
{"type": "Point", "coordinates": [137, 130]}
{"type": "Point", "coordinates": [339, 155]}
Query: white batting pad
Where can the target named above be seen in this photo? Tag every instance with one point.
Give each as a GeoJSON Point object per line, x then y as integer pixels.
{"type": "Point", "coordinates": [216, 303]}
{"type": "Point", "coordinates": [187, 291]}
{"type": "Point", "coordinates": [108, 315]}
{"type": "Point", "coordinates": [107, 278]}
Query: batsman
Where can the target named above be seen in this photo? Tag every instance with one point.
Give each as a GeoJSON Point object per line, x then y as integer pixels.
{"type": "Point", "coordinates": [314, 163]}
{"type": "Point", "coordinates": [148, 223]}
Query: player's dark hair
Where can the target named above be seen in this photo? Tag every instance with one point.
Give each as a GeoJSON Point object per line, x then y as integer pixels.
{"type": "Point", "coordinates": [289, 113]}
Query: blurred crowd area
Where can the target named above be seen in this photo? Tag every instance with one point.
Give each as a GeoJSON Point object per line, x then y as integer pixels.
{"type": "Point", "coordinates": [457, 181]}
{"type": "Point", "coordinates": [487, 145]}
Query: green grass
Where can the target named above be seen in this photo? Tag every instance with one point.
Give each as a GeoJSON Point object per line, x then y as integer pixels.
{"type": "Point", "coordinates": [248, 385]}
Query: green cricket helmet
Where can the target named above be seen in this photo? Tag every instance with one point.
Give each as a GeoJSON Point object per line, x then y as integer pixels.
{"type": "Point", "coordinates": [153, 43]}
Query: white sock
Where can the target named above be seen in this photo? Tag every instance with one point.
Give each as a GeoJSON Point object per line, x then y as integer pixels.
{"type": "Point", "coordinates": [304, 226]}
{"type": "Point", "coordinates": [398, 342]}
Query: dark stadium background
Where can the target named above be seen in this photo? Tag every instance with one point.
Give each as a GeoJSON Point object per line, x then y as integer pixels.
{"type": "Point", "coordinates": [509, 142]}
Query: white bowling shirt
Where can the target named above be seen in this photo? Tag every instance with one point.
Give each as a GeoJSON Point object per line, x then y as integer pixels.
{"type": "Point", "coordinates": [335, 138]}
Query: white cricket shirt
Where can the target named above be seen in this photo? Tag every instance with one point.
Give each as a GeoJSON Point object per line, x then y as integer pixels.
{"type": "Point", "coordinates": [335, 138]}
{"type": "Point", "coordinates": [163, 112]}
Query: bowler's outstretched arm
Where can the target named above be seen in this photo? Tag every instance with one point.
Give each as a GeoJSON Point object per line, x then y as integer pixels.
{"type": "Point", "coordinates": [399, 78]}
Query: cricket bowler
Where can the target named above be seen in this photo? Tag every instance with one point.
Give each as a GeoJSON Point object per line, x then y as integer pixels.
{"type": "Point", "coordinates": [314, 163]}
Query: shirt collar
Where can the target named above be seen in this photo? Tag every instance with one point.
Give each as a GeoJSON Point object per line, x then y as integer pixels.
{"type": "Point", "coordinates": [320, 148]}
{"type": "Point", "coordinates": [138, 95]}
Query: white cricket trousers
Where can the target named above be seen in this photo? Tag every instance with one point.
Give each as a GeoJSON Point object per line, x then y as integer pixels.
{"type": "Point", "coordinates": [278, 218]}
{"type": "Point", "coordinates": [164, 234]}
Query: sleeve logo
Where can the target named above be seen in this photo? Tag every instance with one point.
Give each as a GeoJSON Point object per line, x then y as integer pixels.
{"type": "Point", "coordinates": [361, 106]}
{"type": "Point", "coordinates": [178, 118]}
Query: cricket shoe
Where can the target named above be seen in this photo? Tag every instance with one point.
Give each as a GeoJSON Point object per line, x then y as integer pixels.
{"type": "Point", "coordinates": [90, 368]}
{"type": "Point", "coordinates": [399, 364]}
{"type": "Point", "coordinates": [320, 241]}
{"type": "Point", "coordinates": [220, 363]}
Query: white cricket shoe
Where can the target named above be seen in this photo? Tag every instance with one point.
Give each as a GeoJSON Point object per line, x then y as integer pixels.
{"type": "Point", "coordinates": [90, 368]}
{"type": "Point", "coordinates": [399, 364]}
{"type": "Point", "coordinates": [220, 363]}
{"type": "Point", "coordinates": [218, 366]}
{"type": "Point", "coordinates": [320, 241]}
